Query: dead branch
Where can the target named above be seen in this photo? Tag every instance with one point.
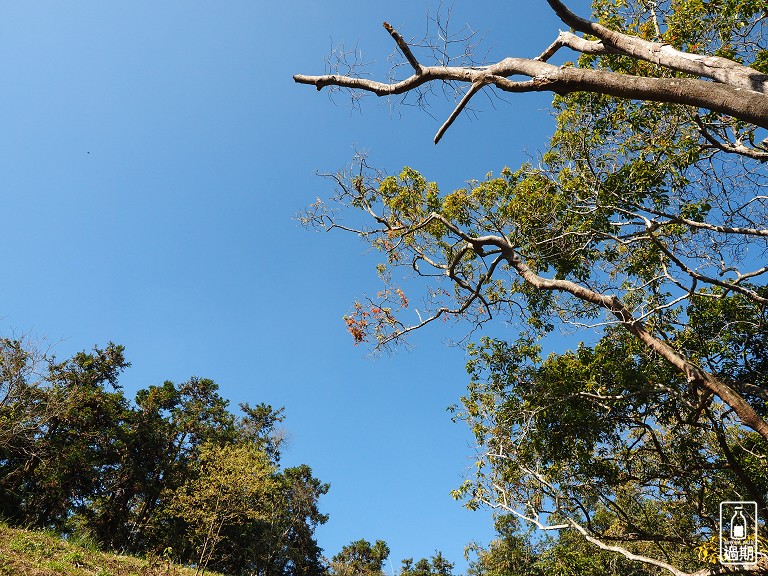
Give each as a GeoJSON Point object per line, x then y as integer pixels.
{"type": "Point", "coordinates": [737, 91]}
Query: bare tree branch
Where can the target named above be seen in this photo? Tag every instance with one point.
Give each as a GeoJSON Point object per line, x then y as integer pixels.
{"type": "Point", "coordinates": [717, 68]}
{"type": "Point", "coordinates": [731, 147]}
{"type": "Point", "coordinates": [577, 43]}
{"type": "Point", "coordinates": [738, 91]}
{"type": "Point", "coordinates": [404, 48]}
{"type": "Point", "coordinates": [474, 89]}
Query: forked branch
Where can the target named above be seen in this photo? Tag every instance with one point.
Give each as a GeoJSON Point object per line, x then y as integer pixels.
{"type": "Point", "coordinates": [720, 85]}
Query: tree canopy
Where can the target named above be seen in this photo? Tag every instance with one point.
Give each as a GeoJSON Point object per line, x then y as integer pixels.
{"type": "Point", "coordinates": [173, 471]}
{"type": "Point", "coordinates": [642, 228]}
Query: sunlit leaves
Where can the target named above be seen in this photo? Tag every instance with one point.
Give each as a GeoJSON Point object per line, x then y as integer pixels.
{"type": "Point", "coordinates": [174, 466]}
{"type": "Point", "coordinates": [229, 487]}
{"type": "Point", "coordinates": [360, 558]}
{"type": "Point", "coordinates": [645, 218]}
{"type": "Point", "coordinates": [612, 433]}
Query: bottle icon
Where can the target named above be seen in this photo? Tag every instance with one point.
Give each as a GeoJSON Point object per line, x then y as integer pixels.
{"type": "Point", "coordinates": [738, 525]}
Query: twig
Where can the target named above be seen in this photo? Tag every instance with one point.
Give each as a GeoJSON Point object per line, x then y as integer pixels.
{"type": "Point", "coordinates": [474, 89]}
{"type": "Point", "coordinates": [404, 48]}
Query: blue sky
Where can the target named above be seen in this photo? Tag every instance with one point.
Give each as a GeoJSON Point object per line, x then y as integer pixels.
{"type": "Point", "coordinates": [154, 155]}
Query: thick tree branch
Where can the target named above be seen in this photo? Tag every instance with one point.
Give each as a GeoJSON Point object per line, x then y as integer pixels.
{"type": "Point", "coordinates": [738, 91]}
{"type": "Point", "coordinates": [744, 105]}
{"type": "Point", "coordinates": [743, 100]}
{"type": "Point", "coordinates": [714, 67]}
{"type": "Point", "coordinates": [624, 552]}
{"type": "Point", "coordinates": [577, 43]}
{"type": "Point", "coordinates": [732, 147]}
{"type": "Point", "coordinates": [694, 374]}
{"type": "Point", "coordinates": [505, 505]}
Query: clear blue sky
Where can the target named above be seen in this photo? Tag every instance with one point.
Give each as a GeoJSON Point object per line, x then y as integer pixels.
{"type": "Point", "coordinates": [154, 155]}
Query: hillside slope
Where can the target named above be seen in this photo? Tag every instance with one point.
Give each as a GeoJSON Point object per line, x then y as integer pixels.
{"type": "Point", "coordinates": [32, 553]}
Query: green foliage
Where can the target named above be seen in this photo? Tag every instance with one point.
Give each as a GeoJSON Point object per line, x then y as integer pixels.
{"type": "Point", "coordinates": [281, 540]}
{"type": "Point", "coordinates": [227, 489]}
{"type": "Point", "coordinates": [32, 553]}
{"type": "Point", "coordinates": [644, 220]}
{"type": "Point", "coordinates": [360, 558]}
{"type": "Point", "coordinates": [75, 425]}
{"type": "Point", "coordinates": [567, 555]}
{"type": "Point", "coordinates": [437, 565]}
{"type": "Point", "coordinates": [167, 469]}
{"type": "Point", "coordinates": [628, 198]}
{"type": "Point", "coordinates": [613, 433]}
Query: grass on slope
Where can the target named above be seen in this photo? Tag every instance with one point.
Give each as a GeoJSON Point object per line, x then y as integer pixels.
{"type": "Point", "coordinates": [31, 553]}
